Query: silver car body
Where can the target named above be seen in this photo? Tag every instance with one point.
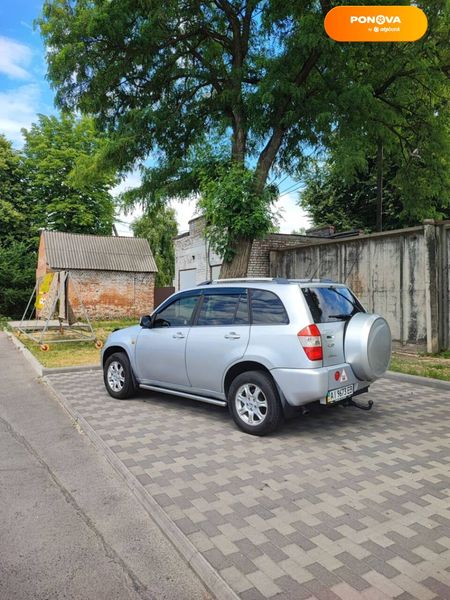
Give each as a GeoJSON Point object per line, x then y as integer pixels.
{"type": "Point", "coordinates": [194, 360]}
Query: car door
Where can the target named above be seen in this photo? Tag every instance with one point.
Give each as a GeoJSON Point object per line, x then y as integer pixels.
{"type": "Point", "coordinates": [218, 338]}
{"type": "Point", "coordinates": [160, 350]}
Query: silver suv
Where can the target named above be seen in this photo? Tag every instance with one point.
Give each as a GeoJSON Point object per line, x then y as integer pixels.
{"type": "Point", "coordinates": [261, 346]}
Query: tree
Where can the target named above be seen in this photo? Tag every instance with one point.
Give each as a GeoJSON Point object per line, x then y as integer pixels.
{"type": "Point", "coordinates": [351, 203]}
{"type": "Point", "coordinates": [17, 276]}
{"type": "Point", "coordinates": [66, 192]}
{"type": "Point", "coordinates": [14, 212]}
{"type": "Point", "coordinates": [166, 78]}
{"type": "Point", "coordinates": [17, 245]}
{"type": "Point", "coordinates": [159, 227]}
{"type": "Point", "coordinates": [390, 141]}
{"type": "Point", "coordinates": [344, 190]}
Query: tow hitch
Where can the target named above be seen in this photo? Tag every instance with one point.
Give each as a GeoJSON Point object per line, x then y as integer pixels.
{"type": "Point", "coordinates": [368, 406]}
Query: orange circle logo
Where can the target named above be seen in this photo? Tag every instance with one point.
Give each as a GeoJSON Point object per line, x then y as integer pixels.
{"type": "Point", "coordinates": [376, 23]}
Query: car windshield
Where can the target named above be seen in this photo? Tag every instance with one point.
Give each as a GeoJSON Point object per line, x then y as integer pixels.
{"type": "Point", "coordinates": [329, 304]}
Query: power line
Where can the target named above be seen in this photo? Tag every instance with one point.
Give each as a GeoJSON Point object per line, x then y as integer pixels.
{"type": "Point", "coordinates": [291, 191]}
{"type": "Point", "coordinates": [283, 180]}
{"type": "Point", "coordinates": [291, 187]}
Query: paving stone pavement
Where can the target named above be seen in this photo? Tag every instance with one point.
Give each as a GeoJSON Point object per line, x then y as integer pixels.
{"type": "Point", "coordinates": [341, 504]}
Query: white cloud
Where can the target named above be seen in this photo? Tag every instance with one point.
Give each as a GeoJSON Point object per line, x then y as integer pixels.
{"type": "Point", "coordinates": [123, 221]}
{"type": "Point", "coordinates": [185, 211]}
{"type": "Point", "coordinates": [14, 58]}
{"type": "Point", "coordinates": [292, 216]}
{"type": "Point", "coordinates": [18, 109]}
{"type": "Point", "coordinates": [131, 180]}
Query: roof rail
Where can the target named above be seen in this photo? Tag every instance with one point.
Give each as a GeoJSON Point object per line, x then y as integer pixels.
{"type": "Point", "coordinates": [314, 280]}
{"type": "Point", "coordinates": [280, 280]}
{"type": "Point", "coordinates": [237, 279]}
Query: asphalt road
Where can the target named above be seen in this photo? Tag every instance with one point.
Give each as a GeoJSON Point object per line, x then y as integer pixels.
{"type": "Point", "coordinates": [69, 527]}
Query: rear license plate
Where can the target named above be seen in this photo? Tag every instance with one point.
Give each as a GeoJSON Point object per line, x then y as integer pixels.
{"type": "Point", "coordinates": [339, 394]}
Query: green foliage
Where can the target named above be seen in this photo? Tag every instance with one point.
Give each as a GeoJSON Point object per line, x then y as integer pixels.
{"type": "Point", "coordinates": [399, 97]}
{"type": "Point", "coordinates": [17, 272]}
{"type": "Point", "coordinates": [263, 77]}
{"type": "Point", "coordinates": [159, 227]}
{"type": "Point", "coordinates": [14, 212]}
{"type": "Point", "coordinates": [411, 193]}
{"type": "Point", "coordinates": [17, 238]}
{"type": "Point", "coordinates": [57, 157]}
{"type": "Point", "coordinates": [232, 209]}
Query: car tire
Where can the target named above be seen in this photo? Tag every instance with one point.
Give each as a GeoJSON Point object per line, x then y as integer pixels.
{"type": "Point", "coordinates": [254, 403]}
{"type": "Point", "coordinates": [118, 376]}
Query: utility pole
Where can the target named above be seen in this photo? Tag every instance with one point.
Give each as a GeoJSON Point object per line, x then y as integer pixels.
{"type": "Point", "coordinates": [379, 224]}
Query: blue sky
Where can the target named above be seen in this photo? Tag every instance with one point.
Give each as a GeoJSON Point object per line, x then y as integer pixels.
{"type": "Point", "coordinates": [25, 92]}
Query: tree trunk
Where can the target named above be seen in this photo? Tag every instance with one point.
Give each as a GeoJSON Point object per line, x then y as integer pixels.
{"type": "Point", "coordinates": [239, 265]}
{"type": "Point", "coordinates": [239, 138]}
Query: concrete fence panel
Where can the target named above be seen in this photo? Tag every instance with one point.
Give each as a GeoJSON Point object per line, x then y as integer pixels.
{"type": "Point", "coordinates": [402, 275]}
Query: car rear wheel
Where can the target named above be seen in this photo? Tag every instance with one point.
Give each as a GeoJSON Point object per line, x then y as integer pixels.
{"type": "Point", "coordinates": [254, 403]}
{"type": "Point", "coordinates": [118, 377]}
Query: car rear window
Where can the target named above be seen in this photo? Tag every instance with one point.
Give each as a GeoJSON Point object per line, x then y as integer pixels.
{"type": "Point", "coordinates": [329, 304]}
{"type": "Point", "coordinates": [267, 309]}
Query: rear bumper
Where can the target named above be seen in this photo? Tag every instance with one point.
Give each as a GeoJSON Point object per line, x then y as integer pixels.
{"type": "Point", "coordinates": [302, 386]}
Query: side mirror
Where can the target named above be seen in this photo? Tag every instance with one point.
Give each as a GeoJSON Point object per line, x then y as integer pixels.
{"type": "Point", "coordinates": [161, 323]}
{"type": "Point", "coordinates": [146, 322]}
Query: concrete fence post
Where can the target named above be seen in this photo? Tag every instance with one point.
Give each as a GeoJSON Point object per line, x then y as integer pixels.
{"type": "Point", "coordinates": [431, 285]}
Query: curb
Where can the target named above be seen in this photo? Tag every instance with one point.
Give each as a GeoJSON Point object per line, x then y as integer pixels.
{"type": "Point", "coordinates": [39, 369]}
{"type": "Point", "coordinates": [34, 363]}
{"type": "Point", "coordinates": [54, 370]}
{"type": "Point", "coordinates": [212, 580]}
{"type": "Point", "coordinates": [417, 380]}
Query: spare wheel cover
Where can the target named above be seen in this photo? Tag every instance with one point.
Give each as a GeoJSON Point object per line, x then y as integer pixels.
{"type": "Point", "coordinates": [368, 345]}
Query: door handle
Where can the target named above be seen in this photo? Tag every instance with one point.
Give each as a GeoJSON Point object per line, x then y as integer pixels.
{"type": "Point", "coordinates": [232, 336]}
{"type": "Point", "coordinates": [179, 335]}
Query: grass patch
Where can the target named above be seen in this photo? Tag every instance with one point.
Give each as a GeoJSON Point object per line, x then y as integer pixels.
{"type": "Point", "coordinates": [75, 354]}
{"type": "Point", "coordinates": [435, 366]}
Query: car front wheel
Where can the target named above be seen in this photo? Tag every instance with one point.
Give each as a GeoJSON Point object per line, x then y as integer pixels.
{"type": "Point", "coordinates": [254, 403]}
{"type": "Point", "coordinates": [118, 377]}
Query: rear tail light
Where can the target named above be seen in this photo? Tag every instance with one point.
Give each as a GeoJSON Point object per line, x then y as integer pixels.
{"type": "Point", "coordinates": [311, 342]}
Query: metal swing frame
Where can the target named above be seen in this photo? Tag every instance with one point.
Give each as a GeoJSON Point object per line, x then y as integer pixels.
{"type": "Point", "coordinates": [42, 331]}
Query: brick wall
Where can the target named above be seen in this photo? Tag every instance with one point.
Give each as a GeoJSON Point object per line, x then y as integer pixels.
{"type": "Point", "coordinates": [111, 294]}
{"type": "Point", "coordinates": [259, 265]}
{"type": "Point", "coordinates": [42, 268]}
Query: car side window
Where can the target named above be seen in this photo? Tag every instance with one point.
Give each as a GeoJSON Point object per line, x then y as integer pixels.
{"type": "Point", "coordinates": [267, 309]}
{"type": "Point", "coordinates": [223, 309]}
{"type": "Point", "coordinates": [178, 313]}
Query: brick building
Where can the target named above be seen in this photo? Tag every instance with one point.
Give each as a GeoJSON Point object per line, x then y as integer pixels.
{"type": "Point", "coordinates": [195, 261]}
{"type": "Point", "coordinates": [113, 276]}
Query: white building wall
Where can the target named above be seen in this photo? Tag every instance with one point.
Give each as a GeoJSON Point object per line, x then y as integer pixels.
{"type": "Point", "coordinates": [194, 260]}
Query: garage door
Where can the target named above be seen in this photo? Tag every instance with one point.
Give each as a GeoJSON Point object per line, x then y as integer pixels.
{"type": "Point", "coordinates": [187, 278]}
